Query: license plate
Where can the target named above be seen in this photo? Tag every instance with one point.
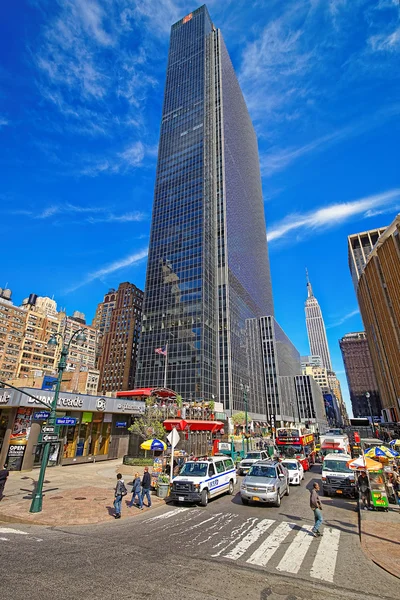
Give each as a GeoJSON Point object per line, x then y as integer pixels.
{"type": "Point", "coordinates": [339, 491]}
{"type": "Point", "coordinates": [181, 499]}
{"type": "Point", "coordinates": [256, 499]}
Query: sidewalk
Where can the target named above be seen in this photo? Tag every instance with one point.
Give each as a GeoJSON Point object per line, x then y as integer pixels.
{"type": "Point", "coordinates": [380, 538]}
{"type": "Point", "coordinates": [73, 495]}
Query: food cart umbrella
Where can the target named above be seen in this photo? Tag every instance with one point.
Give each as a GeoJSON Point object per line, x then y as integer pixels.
{"type": "Point", "coordinates": [375, 452]}
{"type": "Point", "coordinates": [389, 452]}
{"type": "Point", "coordinates": [394, 443]}
{"type": "Point", "coordinates": [153, 445]}
{"type": "Point", "coordinates": [364, 463]}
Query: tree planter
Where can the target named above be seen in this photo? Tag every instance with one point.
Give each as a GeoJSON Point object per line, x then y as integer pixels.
{"type": "Point", "coordinates": [162, 490]}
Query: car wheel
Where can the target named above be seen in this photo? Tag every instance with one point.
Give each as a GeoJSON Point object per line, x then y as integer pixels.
{"type": "Point", "coordinates": [204, 498]}
{"type": "Point", "coordinates": [231, 488]}
{"type": "Point", "coordinates": [244, 501]}
{"type": "Point", "coordinates": [277, 502]}
{"type": "Point", "coordinates": [287, 490]}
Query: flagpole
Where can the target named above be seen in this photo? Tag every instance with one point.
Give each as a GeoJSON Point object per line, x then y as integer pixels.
{"type": "Point", "coordinates": [166, 365]}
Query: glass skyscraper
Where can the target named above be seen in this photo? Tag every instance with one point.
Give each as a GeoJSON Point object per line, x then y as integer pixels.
{"type": "Point", "coordinates": [208, 268]}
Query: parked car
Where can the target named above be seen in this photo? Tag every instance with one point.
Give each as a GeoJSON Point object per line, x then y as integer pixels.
{"type": "Point", "coordinates": [295, 470]}
{"type": "Point", "coordinates": [267, 481]}
{"type": "Point", "coordinates": [250, 459]}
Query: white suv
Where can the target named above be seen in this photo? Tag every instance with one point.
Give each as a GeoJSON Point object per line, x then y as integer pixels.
{"type": "Point", "coordinates": [250, 459]}
{"type": "Point", "coordinates": [203, 479]}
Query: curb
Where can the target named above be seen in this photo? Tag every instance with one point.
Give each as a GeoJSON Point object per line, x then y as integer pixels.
{"type": "Point", "coordinates": [367, 552]}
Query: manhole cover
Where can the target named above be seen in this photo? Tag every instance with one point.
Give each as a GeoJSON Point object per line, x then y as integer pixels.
{"type": "Point", "coordinates": [99, 499]}
{"type": "Point", "coordinates": [80, 498]}
{"type": "Point", "coordinates": [56, 497]}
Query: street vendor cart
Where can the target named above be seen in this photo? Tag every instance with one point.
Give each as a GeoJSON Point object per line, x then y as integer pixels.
{"type": "Point", "coordinates": [379, 491]}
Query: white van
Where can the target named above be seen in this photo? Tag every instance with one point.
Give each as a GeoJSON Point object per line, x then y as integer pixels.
{"type": "Point", "coordinates": [337, 477]}
{"type": "Point", "coordinates": [203, 479]}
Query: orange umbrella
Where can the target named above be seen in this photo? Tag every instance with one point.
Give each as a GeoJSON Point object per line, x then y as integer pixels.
{"type": "Point", "coordinates": [364, 463]}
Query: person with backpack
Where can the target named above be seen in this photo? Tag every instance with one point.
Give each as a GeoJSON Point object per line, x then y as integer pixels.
{"type": "Point", "coordinates": [120, 491]}
{"type": "Point", "coordinates": [136, 491]}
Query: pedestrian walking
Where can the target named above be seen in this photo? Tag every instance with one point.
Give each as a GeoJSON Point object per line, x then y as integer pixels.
{"type": "Point", "coordinates": [146, 485]}
{"type": "Point", "coordinates": [364, 490]}
{"type": "Point", "coordinates": [316, 507]}
{"type": "Point", "coordinates": [120, 491]}
{"type": "Point", "coordinates": [4, 473]}
{"type": "Point", "coordinates": [136, 491]}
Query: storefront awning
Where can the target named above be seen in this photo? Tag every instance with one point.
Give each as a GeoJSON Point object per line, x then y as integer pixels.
{"type": "Point", "coordinates": [146, 392]}
{"type": "Point", "coordinates": [193, 424]}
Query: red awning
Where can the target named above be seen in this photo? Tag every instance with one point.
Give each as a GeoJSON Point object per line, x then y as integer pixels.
{"type": "Point", "coordinates": [194, 425]}
{"type": "Point", "coordinates": [146, 392]}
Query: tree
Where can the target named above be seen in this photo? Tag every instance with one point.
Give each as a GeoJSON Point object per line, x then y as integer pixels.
{"type": "Point", "coordinates": [238, 418]}
{"type": "Point", "coordinates": [150, 425]}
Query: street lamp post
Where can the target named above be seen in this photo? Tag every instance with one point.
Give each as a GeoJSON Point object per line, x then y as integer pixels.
{"type": "Point", "coordinates": [368, 395]}
{"type": "Point", "coordinates": [79, 335]}
{"type": "Point", "coordinates": [245, 389]}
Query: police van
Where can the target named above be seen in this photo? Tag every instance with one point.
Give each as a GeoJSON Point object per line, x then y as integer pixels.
{"type": "Point", "coordinates": [202, 479]}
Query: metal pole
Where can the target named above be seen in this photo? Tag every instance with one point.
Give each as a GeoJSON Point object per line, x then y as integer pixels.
{"type": "Point", "coordinates": [37, 500]}
{"type": "Point", "coordinates": [367, 395]}
{"type": "Point", "coordinates": [166, 365]}
{"type": "Point", "coordinates": [246, 416]}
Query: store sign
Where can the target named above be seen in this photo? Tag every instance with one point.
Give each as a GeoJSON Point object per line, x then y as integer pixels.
{"type": "Point", "coordinates": [74, 402]}
{"type": "Point", "coordinates": [130, 407]}
{"type": "Point", "coordinates": [101, 404]}
{"type": "Point", "coordinates": [120, 424]}
{"type": "Point", "coordinates": [4, 398]}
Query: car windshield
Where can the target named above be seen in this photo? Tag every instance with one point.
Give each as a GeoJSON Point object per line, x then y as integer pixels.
{"type": "Point", "coordinates": [339, 466]}
{"type": "Point", "coordinates": [291, 466]}
{"type": "Point", "coordinates": [262, 471]}
{"type": "Point", "coordinates": [194, 469]}
{"type": "Point", "coordinates": [253, 455]}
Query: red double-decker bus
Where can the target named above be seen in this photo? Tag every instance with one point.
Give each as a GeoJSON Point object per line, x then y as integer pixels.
{"type": "Point", "coordinates": [296, 443]}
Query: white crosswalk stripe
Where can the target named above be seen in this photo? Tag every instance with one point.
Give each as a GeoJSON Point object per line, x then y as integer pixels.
{"type": "Point", "coordinates": [249, 539]}
{"type": "Point", "coordinates": [325, 561]}
{"type": "Point", "coordinates": [269, 546]}
{"type": "Point", "coordinates": [13, 532]}
{"type": "Point", "coordinates": [295, 554]}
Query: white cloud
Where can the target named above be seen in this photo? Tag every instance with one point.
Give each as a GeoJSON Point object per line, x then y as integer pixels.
{"type": "Point", "coordinates": [4, 122]}
{"type": "Point", "coordinates": [133, 155]}
{"type": "Point", "coordinates": [104, 213]}
{"type": "Point", "coordinates": [343, 319]}
{"type": "Point", "coordinates": [125, 218]}
{"type": "Point", "coordinates": [329, 216]}
{"type": "Point", "coordinates": [117, 265]}
{"type": "Point", "coordinates": [385, 42]}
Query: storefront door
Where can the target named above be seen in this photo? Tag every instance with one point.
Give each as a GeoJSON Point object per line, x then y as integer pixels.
{"type": "Point", "coordinates": [3, 426]}
{"type": "Point", "coordinates": [54, 455]}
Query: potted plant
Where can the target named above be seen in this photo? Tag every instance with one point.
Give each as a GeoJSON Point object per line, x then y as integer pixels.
{"type": "Point", "coordinates": [162, 485]}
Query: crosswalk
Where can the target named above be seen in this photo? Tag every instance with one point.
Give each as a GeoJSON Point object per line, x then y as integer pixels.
{"type": "Point", "coordinates": [8, 534]}
{"type": "Point", "coordinates": [279, 545]}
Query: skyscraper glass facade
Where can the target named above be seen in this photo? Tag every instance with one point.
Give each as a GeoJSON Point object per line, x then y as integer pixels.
{"type": "Point", "coordinates": [208, 268]}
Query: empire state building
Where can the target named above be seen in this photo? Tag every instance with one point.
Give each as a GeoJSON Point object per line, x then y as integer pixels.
{"type": "Point", "coordinates": [316, 329]}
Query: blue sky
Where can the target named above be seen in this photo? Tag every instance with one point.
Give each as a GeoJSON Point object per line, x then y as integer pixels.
{"type": "Point", "coordinates": [81, 86]}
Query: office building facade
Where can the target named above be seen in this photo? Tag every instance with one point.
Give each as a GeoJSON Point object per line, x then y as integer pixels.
{"type": "Point", "coordinates": [378, 294]}
{"type": "Point", "coordinates": [120, 339]}
{"type": "Point", "coordinates": [360, 246]}
{"type": "Point", "coordinates": [360, 375]}
{"type": "Point", "coordinates": [208, 267]}
{"type": "Point", "coordinates": [316, 329]}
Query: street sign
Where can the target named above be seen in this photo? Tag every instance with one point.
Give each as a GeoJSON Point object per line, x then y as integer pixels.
{"type": "Point", "coordinates": [120, 424]}
{"type": "Point", "coordinates": [41, 416]}
{"type": "Point", "coordinates": [66, 421]}
{"type": "Point", "coordinates": [48, 437]}
{"type": "Point", "coordinates": [48, 429]}
{"type": "Point", "coordinates": [173, 437]}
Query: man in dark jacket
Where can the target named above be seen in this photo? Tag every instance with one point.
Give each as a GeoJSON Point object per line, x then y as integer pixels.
{"type": "Point", "coordinates": [4, 473]}
{"type": "Point", "coordinates": [365, 492]}
{"type": "Point", "coordinates": [316, 507]}
{"type": "Point", "coordinates": [120, 491]}
{"type": "Point", "coordinates": [146, 485]}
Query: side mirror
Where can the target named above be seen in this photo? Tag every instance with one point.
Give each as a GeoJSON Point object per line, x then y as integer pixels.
{"type": "Point", "coordinates": [281, 476]}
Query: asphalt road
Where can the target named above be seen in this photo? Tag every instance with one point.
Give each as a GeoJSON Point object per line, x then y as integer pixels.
{"type": "Point", "coordinates": [225, 550]}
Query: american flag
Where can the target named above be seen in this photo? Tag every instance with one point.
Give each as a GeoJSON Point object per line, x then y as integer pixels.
{"type": "Point", "coordinates": [162, 350]}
